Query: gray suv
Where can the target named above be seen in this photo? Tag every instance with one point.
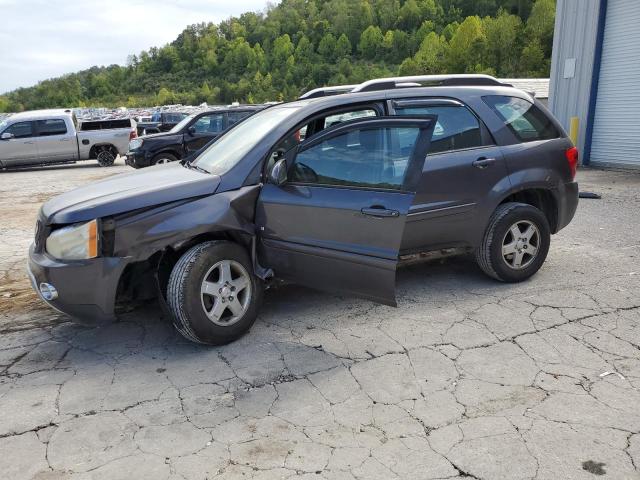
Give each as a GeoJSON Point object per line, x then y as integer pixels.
{"type": "Point", "coordinates": [332, 191]}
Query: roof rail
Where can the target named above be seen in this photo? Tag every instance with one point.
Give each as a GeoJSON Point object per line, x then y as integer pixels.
{"type": "Point", "coordinates": [436, 80]}
{"type": "Point", "coordinates": [326, 91]}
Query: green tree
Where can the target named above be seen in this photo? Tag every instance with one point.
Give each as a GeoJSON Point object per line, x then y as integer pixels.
{"type": "Point", "coordinates": [371, 42]}
{"type": "Point", "coordinates": [466, 47]}
{"type": "Point", "coordinates": [343, 47]}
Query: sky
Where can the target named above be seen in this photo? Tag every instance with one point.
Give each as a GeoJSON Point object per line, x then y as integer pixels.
{"type": "Point", "coordinates": [41, 39]}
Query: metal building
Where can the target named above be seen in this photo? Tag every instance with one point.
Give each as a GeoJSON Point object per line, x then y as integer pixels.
{"type": "Point", "coordinates": [595, 76]}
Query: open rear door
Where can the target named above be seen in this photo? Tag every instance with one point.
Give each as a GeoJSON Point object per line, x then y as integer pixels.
{"type": "Point", "coordinates": [337, 222]}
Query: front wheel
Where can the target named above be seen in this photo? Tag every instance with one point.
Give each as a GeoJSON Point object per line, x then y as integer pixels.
{"type": "Point", "coordinates": [106, 157]}
{"type": "Point", "coordinates": [213, 294]}
{"type": "Point", "coordinates": [163, 158]}
{"type": "Point", "coordinates": [515, 244]}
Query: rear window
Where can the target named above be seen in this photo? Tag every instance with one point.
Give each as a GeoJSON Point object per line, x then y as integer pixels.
{"type": "Point", "coordinates": [105, 124]}
{"type": "Point", "coordinates": [527, 122]}
{"type": "Point", "coordinates": [52, 126]}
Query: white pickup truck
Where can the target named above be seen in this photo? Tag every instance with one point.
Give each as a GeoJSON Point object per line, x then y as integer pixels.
{"type": "Point", "coordinates": [44, 137]}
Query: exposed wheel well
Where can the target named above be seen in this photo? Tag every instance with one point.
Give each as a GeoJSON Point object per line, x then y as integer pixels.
{"type": "Point", "coordinates": [540, 198]}
{"type": "Point", "coordinates": [171, 152]}
{"type": "Point", "coordinates": [95, 149]}
{"type": "Point", "coordinates": [138, 280]}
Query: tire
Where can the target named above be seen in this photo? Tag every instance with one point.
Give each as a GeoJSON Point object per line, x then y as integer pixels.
{"type": "Point", "coordinates": [106, 157]}
{"type": "Point", "coordinates": [163, 158]}
{"type": "Point", "coordinates": [190, 305]}
{"type": "Point", "coordinates": [515, 262]}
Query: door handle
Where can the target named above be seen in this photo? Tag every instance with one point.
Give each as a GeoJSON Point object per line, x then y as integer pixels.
{"type": "Point", "coordinates": [28, 143]}
{"type": "Point", "coordinates": [380, 212]}
{"type": "Point", "coordinates": [63, 140]}
{"type": "Point", "coordinates": [483, 162]}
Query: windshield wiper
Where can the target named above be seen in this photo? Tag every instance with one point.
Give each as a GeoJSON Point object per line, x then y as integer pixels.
{"type": "Point", "coordinates": [191, 166]}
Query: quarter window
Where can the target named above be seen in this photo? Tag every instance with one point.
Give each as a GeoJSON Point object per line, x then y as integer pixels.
{"type": "Point", "coordinates": [367, 157]}
{"type": "Point", "coordinates": [53, 126]}
{"type": "Point", "coordinates": [456, 129]}
{"type": "Point", "coordinates": [20, 130]}
{"type": "Point", "coordinates": [524, 119]}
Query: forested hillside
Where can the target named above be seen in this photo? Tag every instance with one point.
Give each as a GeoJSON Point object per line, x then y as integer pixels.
{"type": "Point", "coordinates": [300, 44]}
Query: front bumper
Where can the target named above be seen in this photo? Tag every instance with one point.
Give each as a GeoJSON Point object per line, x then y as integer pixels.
{"type": "Point", "coordinates": [86, 288]}
{"type": "Point", "coordinates": [137, 159]}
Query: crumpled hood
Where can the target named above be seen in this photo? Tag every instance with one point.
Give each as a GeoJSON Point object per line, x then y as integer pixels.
{"type": "Point", "coordinates": [131, 191]}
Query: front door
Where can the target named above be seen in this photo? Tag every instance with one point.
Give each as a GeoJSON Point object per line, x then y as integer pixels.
{"type": "Point", "coordinates": [203, 130]}
{"type": "Point", "coordinates": [55, 142]}
{"type": "Point", "coordinates": [21, 148]}
{"type": "Point", "coordinates": [337, 222]}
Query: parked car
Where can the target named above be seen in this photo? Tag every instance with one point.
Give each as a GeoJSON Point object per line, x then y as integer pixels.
{"type": "Point", "coordinates": [44, 137]}
{"type": "Point", "coordinates": [159, 122]}
{"type": "Point", "coordinates": [187, 137]}
{"type": "Point", "coordinates": [464, 165]}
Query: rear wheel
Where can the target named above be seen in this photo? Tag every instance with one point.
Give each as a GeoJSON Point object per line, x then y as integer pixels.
{"type": "Point", "coordinates": [213, 294]}
{"type": "Point", "coordinates": [106, 156]}
{"type": "Point", "coordinates": [163, 158]}
{"type": "Point", "coordinates": [515, 244]}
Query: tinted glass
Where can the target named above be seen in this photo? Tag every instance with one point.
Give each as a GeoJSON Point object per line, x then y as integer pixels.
{"type": "Point", "coordinates": [20, 130]}
{"type": "Point", "coordinates": [456, 129]}
{"type": "Point", "coordinates": [235, 117]}
{"type": "Point", "coordinates": [523, 118]}
{"type": "Point", "coordinates": [209, 123]}
{"type": "Point", "coordinates": [360, 158]}
{"type": "Point", "coordinates": [54, 126]}
{"type": "Point", "coordinates": [174, 117]}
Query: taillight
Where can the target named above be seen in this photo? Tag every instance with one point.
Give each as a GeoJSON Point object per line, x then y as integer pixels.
{"type": "Point", "coordinates": [572, 159]}
{"type": "Point", "coordinates": [133, 134]}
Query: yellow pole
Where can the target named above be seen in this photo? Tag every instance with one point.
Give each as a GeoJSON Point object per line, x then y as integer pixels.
{"type": "Point", "coordinates": [573, 129]}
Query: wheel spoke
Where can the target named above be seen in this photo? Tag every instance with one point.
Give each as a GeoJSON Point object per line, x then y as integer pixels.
{"type": "Point", "coordinates": [240, 283]}
{"type": "Point", "coordinates": [225, 272]}
{"type": "Point", "coordinates": [235, 306]}
{"type": "Point", "coordinates": [209, 288]}
{"type": "Point", "coordinates": [218, 309]}
{"type": "Point", "coordinates": [509, 248]}
{"type": "Point", "coordinates": [529, 232]}
{"type": "Point", "coordinates": [531, 250]}
{"type": "Point", "coordinates": [517, 259]}
{"type": "Point", "coordinates": [515, 232]}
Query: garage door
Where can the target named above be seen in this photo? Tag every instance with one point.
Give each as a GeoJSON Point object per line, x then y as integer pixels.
{"type": "Point", "coordinates": [616, 128]}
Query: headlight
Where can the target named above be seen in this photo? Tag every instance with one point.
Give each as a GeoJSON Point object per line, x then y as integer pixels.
{"type": "Point", "coordinates": [76, 242]}
{"type": "Point", "coordinates": [135, 143]}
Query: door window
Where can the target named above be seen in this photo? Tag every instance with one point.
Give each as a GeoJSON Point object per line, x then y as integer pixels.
{"type": "Point", "coordinates": [52, 126]}
{"type": "Point", "coordinates": [20, 130]}
{"type": "Point", "coordinates": [527, 122]}
{"type": "Point", "coordinates": [209, 124]}
{"type": "Point", "coordinates": [332, 120]}
{"type": "Point", "coordinates": [235, 117]}
{"type": "Point", "coordinates": [365, 157]}
{"type": "Point", "coordinates": [456, 129]}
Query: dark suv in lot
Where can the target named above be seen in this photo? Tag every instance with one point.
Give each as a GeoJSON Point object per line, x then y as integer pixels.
{"type": "Point", "coordinates": [332, 191]}
{"type": "Point", "coordinates": [187, 137]}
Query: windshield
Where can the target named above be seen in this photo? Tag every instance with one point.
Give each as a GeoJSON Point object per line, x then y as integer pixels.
{"type": "Point", "coordinates": [3, 124]}
{"type": "Point", "coordinates": [226, 152]}
{"type": "Point", "coordinates": [183, 123]}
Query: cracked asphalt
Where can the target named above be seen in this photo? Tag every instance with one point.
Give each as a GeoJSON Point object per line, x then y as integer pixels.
{"type": "Point", "coordinates": [467, 378]}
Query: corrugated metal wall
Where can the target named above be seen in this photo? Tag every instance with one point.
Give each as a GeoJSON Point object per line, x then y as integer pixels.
{"type": "Point", "coordinates": [574, 38]}
{"type": "Point", "coordinates": [616, 127]}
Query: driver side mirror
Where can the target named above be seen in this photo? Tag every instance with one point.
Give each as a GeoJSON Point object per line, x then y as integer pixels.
{"type": "Point", "coordinates": [6, 136]}
{"type": "Point", "coordinates": [278, 174]}
{"type": "Point", "coordinates": [191, 130]}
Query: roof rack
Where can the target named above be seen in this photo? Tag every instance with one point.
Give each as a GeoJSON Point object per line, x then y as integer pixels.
{"type": "Point", "coordinates": [404, 82]}
{"type": "Point", "coordinates": [430, 80]}
{"type": "Point", "coordinates": [327, 91]}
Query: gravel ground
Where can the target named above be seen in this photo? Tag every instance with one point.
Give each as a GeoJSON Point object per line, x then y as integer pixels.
{"type": "Point", "coordinates": [467, 378]}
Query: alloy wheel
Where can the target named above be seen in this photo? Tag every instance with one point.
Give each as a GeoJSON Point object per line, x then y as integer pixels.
{"type": "Point", "coordinates": [226, 292]}
{"type": "Point", "coordinates": [520, 244]}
